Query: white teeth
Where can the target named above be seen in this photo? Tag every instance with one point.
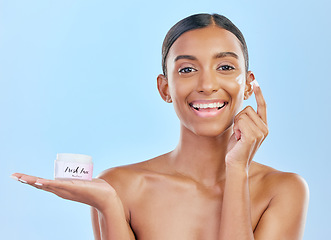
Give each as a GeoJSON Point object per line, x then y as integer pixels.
{"type": "Point", "coordinates": [209, 105]}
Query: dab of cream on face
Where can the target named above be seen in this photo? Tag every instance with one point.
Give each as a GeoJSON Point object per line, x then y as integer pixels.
{"type": "Point", "coordinates": [73, 166]}
{"type": "Point", "coordinates": [240, 78]}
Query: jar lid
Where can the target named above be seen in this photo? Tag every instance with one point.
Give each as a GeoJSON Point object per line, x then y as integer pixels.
{"type": "Point", "coordinates": [72, 157]}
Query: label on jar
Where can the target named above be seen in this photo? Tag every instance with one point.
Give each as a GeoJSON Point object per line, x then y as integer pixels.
{"type": "Point", "coordinates": [73, 170]}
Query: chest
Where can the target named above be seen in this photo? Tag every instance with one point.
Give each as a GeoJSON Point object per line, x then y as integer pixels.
{"type": "Point", "coordinates": [177, 212]}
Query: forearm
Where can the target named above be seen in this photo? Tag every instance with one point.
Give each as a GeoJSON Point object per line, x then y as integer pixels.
{"type": "Point", "coordinates": [236, 210]}
{"type": "Point", "coordinates": [112, 222]}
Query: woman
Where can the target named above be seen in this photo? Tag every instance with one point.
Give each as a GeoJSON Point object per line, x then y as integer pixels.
{"type": "Point", "coordinates": [208, 187]}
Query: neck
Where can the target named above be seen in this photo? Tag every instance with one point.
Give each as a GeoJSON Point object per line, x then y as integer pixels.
{"type": "Point", "coordinates": [201, 158]}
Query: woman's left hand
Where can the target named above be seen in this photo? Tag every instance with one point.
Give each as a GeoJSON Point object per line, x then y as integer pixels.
{"type": "Point", "coordinates": [249, 131]}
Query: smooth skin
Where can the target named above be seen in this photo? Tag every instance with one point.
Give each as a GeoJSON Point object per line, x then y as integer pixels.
{"type": "Point", "coordinates": [208, 187]}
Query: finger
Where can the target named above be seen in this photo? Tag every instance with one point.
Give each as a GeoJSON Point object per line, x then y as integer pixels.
{"type": "Point", "coordinates": [18, 176]}
{"type": "Point", "coordinates": [66, 189]}
{"type": "Point", "coordinates": [244, 127]}
{"type": "Point", "coordinates": [37, 181]}
{"type": "Point", "coordinates": [250, 112]}
{"type": "Point", "coordinates": [59, 184]}
{"type": "Point", "coordinates": [248, 130]}
{"type": "Point", "coordinates": [60, 188]}
{"type": "Point", "coordinates": [24, 178]}
{"type": "Point", "coordinates": [68, 185]}
{"type": "Point", "coordinates": [261, 104]}
{"type": "Point", "coordinates": [252, 137]}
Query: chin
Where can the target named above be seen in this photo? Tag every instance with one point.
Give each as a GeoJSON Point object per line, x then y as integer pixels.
{"type": "Point", "coordinates": [210, 130]}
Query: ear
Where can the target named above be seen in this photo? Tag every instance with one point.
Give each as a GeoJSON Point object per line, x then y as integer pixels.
{"type": "Point", "coordinates": [248, 86]}
{"type": "Point", "coordinates": [163, 87]}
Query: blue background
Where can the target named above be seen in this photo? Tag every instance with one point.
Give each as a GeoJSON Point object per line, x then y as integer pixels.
{"type": "Point", "coordinates": [80, 77]}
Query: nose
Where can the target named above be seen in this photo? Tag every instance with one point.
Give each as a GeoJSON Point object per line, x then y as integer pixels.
{"type": "Point", "coordinates": [208, 82]}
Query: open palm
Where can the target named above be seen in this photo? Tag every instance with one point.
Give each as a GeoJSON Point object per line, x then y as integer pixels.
{"type": "Point", "coordinates": [96, 193]}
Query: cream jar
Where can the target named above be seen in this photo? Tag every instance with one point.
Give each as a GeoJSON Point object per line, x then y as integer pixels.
{"type": "Point", "coordinates": [73, 166]}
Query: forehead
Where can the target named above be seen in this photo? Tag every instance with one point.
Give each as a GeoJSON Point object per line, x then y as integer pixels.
{"type": "Point", "coordinates": [206, 42]}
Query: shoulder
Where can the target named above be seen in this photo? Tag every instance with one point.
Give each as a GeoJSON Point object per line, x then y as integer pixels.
{"type": "Point", "coordinates": [131, 178]}
{"type": "Point", "coordinates": [288, 181]}
{"type": "Point", "coordinates": [128, 182]}
{"type": "Point", "coordinates": [288, 197]}
{"type": "Point", "coordinates": [278, 186]}
{"type": "Point", "coordinates": [289, 187]}
{"type": "Point", "coordinates": [282, 181]}
{"type": "Point", "coordinates": [122, 176]}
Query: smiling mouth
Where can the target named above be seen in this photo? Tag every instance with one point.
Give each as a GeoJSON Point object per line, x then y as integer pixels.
{"type": "Point", "coordinates": [208, 106]}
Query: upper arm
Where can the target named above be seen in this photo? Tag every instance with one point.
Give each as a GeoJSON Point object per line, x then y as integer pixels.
{"type": "Point", "coordinates": [286, 214]}
{"type": "Point", "coordinates": [115, 178]}
{"type": "Point", "coordinates": [97, 229]}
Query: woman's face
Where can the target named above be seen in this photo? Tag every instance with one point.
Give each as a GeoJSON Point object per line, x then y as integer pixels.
{"type": "Point", "coordinates": [206, 79]}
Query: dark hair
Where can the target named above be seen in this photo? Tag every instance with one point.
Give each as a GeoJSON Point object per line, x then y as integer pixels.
{"type": "Point", "coordinates": [197, 21]}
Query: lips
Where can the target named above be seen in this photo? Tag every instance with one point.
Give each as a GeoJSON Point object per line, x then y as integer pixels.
{"type": "Point", "coordinates": [208, 108]}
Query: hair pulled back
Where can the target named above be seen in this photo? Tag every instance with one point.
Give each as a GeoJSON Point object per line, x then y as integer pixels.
{"type": "Point", "coordinates": [198, 21]}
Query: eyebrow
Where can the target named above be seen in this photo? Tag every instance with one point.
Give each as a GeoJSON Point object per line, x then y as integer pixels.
{"type": "Point", "coordinates": [226, 54]}
{"type": "Point", "coordinates": [217, 55]}
{"type": "Point", "coordinates": [189, 57]}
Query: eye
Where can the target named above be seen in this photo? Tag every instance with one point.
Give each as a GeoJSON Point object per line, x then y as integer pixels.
{"type": "Point", "coordinates": [187, 70]}
{"type": "Point", "coordinates": [225, 68]}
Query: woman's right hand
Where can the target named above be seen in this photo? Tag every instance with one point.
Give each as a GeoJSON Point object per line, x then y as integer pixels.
{"type": "Point", "coordinates": [96, 193]}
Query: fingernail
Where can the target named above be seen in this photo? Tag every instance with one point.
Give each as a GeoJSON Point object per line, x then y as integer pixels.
{"type": "Point", "coordinates": [255, 83]}
{"type": "Point", "coordinates": [22, 181]}
{"type": "Point", "coordinates": [13, 177]}
{"type": "Point", "coordinates": [38, 184]}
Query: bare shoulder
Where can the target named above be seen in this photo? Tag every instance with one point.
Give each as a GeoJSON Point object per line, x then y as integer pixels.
{"type": "Point", "coordinates": [287, 197]}
{"type": "Point", "coordinates": [124, 173]}
{"type": "Point", "coordinates": [281, 182]}
{"type": "Point", "coordinates": [131, 177]}
{"type": "Point", "coordinates": [129, 181]}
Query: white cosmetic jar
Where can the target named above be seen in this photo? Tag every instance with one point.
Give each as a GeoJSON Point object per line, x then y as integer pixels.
{"type": "Point", "coordinates": [73, 166]}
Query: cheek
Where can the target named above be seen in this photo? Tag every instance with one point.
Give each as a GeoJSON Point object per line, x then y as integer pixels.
{"type": "Point", "coordinates": [179, 94]}
{"type": "Point", "coordinates": [236, 91]}
{"type": "Point", "coordinates": [180, 88]}
{"type": "Point", "coordinates": [235, 87]}
{"type": "Point", "coordinates": [240, 79]}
